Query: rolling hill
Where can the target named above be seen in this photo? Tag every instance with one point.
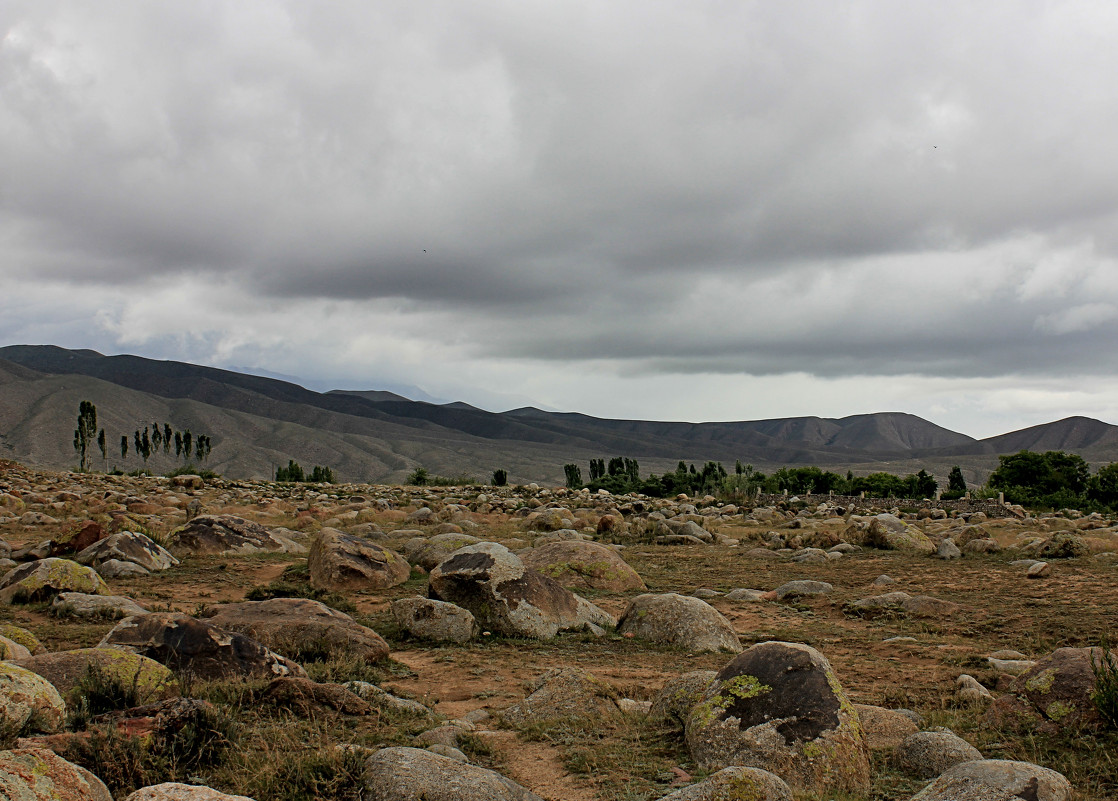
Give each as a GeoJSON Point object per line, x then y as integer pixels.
{"type": "Point", "coordinates": [369, 435]}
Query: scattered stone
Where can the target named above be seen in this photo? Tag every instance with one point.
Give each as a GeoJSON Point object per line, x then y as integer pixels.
{"type": "Point", "coordinates": [80, 604]}
{"type": "Point", "coordinates": [10, 649]}
{"type": "Point", "coordinates": [66, 669]}
{"type": "Point", "coordinates": [678, 697]}
{"type": "Point", "coordinates": [561, 693]}
{"type": "Point", "coordinates": [303, 696]}
{"type": "Point", "coordinates": [802, 588]}
{"type": "Point", "coordinates": [415, 774]}
{"type": "Point", "coordinates": [927, 754]}
{"type": "Point", "coordinates": [743, 594]}
{"type": "Point", "coordinates": [1039, 570]}
{"type": "Point", "coordinates": [342, 562]}
{"type": "Point", "coordinates": [198, 648]}
{"type": "Point", "coordinates": [969, 690]}
{"type": "Point", "coordinates": [884, 729]}
{"type": "Point", "coordinates": [901, 604]}
{"type": "Point", "coordinates": [583, 565]}
{"type": "Point", "coordinates": [672, 619]}
{"type": "Point", "coordinates": [779, 706]}
{"type": "Point", "coordinates": [382, 699]}
{"type": "Point", "coordinates": [884, 580]}
{"type": "Point", "coordinates": [434, 620]}
{"type": "Point", "coordinates": [229, 534]}
{"type": "Point", "coordinates": [43, 579]}
{"type": "Point", "coordinates": [128, 546]}
{"type": "Point", "coordinates": [38, 774]}
{"type": "Point", "coordinates": [733, 783]}
{"type": "Point", "coordinates": [174, 791]}
{"type": "Point", "coordinates": [997, 780]}
{"type": "Point", "coordinates": [948, 550]}
{"type": "Point", "coordinates": [28, 701]}
{"type": "Point", "coordinates": [289, 624]}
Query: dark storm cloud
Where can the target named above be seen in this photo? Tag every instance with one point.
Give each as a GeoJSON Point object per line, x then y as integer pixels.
{"type": "Point", "coordinates": [555, 180]}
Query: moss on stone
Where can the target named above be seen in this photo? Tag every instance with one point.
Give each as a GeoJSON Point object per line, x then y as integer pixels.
{"type": "Point", "coordinates": [1041, 682]}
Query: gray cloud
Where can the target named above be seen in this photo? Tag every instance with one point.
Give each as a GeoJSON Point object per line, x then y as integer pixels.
{"type": "Point", "coordinates": [869, 188]}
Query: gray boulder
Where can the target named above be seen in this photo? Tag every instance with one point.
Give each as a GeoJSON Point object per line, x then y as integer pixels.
{"type": "Point", "coordinates": [128, 546]}
{"type": "Point", "coordinates": [416, 774]}
{"type": "Point", "coordinates": [678, 697]}
{"type": "Point", "coordinates": [927, 754]}
{"type": "Point", "coordinates": [38, 774]}
{"type": "Point", "coordinates": [680, 621]}
{"type": "Point", "coordinates": [563, 693]}
{"type": "Point", "coordinates": [28, 701]}
{"type": "Point", "coordinates": [779, 706]}
{"type": "Point", "coordinates": [215, 534]}
{"type": "Point", "coordinates": [997, 780]}
{"type": "Point", "coordinates": [341, 562]}
{"type": "Point", "coordinates": [176, 791]}
{"type": "Point", "coordinates": [42, 579]}
{"type": "Point", "coordinates": [427, 552]}
{"type": "Point", "coordinates": [583, 565]}
{"type": "Point", "coordinates": [801, 588]}
{"type": "Point", "coordinates": [734, 783]}
{"type": "Point", "coordinates": [434, 620]}
{"type": "Point", "coordinates": [80, 604]}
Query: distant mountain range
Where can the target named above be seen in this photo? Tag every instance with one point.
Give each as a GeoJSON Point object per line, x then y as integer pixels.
{"type": "Point", "coordinates": [257, 423]}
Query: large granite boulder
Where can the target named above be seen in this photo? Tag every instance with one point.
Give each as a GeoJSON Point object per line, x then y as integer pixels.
{"type": "Point", "coordinates": [927, 754]}
{"type": "Point", "coordinates": [28, 702]}
{"type": "Point", "coordinates": [342, 562]}
{"type": "Point", "coordinates": [37, 774]}
{"type": "Point", "coordinates": [563, 693]}
{"type": "Point", "coordinates": [577, 564]}
{"type": "Point", "coordinates": [215, 534]}
{"type": "Point", "coordinates": [901, 604]}
{"type": "Point", "coordinates": [176, 791]}
{"type": "Point", "coordinates": [507, 598]}
{"type": "Point", "coordinates": [66, 669]}
{"type": "Point", "coordinates": [289, 624]}
{"type": "Point", "coordinates": [997, 780]}
{"type": "Point", "coordinates": [673, 704]}
{"type": "Point", "coordinates": [429, 619]}
{"type": "Point", "coordinates": [94, 607]}
{"type": "Point", "coordinates": [680, 621]}
{"type": "Point", "coordinates": [891, 533]}
{"type": "Point", "coordinates": [128, 546]}
{"type": "Point", "coordinates": [1057, 688]}
{"type": "Point", "coordinates": [42, 579]}
{"type": "Point", "coordinates": [778, 706]}
{"type": "Point", "coordinates": [735, 784]}
{"type": "Point", "coordinates": [426, 552]}
{"type": "Point", "coordinates": [415, 774]}
{"type": "Point", "coordinates": [198, 648]}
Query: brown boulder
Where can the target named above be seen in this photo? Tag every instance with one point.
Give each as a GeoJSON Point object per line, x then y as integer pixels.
{"type": "Point", "coordinates": [216, 534]}
{"type": "Point", "coordinates": [577, 564]}
{"type": "Point", "coordinates": [339, 561]}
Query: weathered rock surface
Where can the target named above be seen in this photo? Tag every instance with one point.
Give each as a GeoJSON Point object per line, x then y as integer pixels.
{"type": "Point", "coordinates": [779, 707]}
{"type": "Point", "coordinates": [343, 562]}
{"type": "Point", "coordinates": [902, 604]}
{"type": "Point", "coordinates": [1059, 686]}
{"type": "Point", "coordinates": [434, 620]}
{"type": "Point", "coordinates": [201, 649]}
{"type": "Point", "coordinates": [680, 621]}
{"type": "Point", "coordinates": [44, 578]}
{"type": "Point", "coordinates": [415, 774]}
{"type": "Point", "coordinates": [37, 774]}
{"type": "Point", "coordinates": [28, 701]}
{"type": "Point", "coordinates": [175, 791]}
{"type": "Point", "coordinates": [507, 598]}
{"type": "Point", "coordinates": [734, 784]}
{"type": "Point", "coordinates": [80, 604]}
{"type": "Point", "coordinates": [927, 754]}
{"type": "Point", "coordinates": [884, 729]}
{"type": "Point", "coordinates": [303, 696]}
{"type": "Point", "coordinates": [65, 669]}
{"type": "Point", "coordinates": [679, 696]}
{"type": "Point", "coordinates": [577, 564]}
{"type": "Point", "coordinates": [997, 780]}
{"type": "Point", "coordinates": [128, 546]}
{"type": "Point", "coordinates": [560, 693]}
{"type": "Point", "coordinates": [213, 534]}
{"type": "Point", "coordinates": [891, 533]}
{"type": "Point", "coordinates": [429, 551]}
{"type": "Point", "coordinates": [284, 624]}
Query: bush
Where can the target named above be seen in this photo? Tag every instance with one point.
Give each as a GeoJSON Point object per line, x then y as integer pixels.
{"type": "Point", "coordinates": [419, 477]}
{"type": "Point", "coordinates": [500, 478]}
{"type": "Point", "coordinates": [1105, 696]}
{"type": "Point", "coordinates": [192, 470]}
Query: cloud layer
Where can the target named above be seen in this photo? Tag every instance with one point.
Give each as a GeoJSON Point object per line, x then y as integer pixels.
{"type": "Point", "coordinates": [640, 209]}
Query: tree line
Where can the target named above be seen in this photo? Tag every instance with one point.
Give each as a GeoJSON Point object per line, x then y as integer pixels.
{"type": "Point", "coordinates": [146, 442]}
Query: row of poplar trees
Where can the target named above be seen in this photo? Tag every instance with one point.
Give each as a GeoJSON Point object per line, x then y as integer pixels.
{"type": "Point", "coordinates": [145, 442]}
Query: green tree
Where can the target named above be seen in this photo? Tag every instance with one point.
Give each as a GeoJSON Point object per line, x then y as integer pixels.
{"type": "Point", "coordinates": [178, 444]}
{"type": "Point", "coordinates": [187, 444]}
{"type": "Point", "coordinates": [124, 446]}
{"type": "Point", "coordinates": [321, 475]}
{"type": "Point", "coordinates": [293, 472]}
{"type": "Point", "coordinates": [419, 476]}
{"type": "Point", "coordinates": [1103, 485]}
{"type": "Point", "coordinates": [101, 444]}
{"type": "Point", "coordinates": [500, 478]}
{"type": "Point", "coordinates": [86, 433]}
{"type": "Point", "coordinates": [1050, 479]}
{"type": "Point", "coordinates": [955, 481]}
{"type": "Point", "coordinates": [574, 474]}
{"type": "Point", "coordinates": [167, 437]}
{"type": "Point", "coordinates": [156, 437]}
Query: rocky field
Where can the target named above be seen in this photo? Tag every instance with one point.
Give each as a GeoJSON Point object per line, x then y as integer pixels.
{"type": "Point", "coordinates": [208, 639]}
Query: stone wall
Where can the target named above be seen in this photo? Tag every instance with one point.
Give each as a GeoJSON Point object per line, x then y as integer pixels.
{"type": "Point", "coordinates": [992, 508]}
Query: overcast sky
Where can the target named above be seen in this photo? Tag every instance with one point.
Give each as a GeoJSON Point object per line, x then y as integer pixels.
{"type": "Point", "coordinates": [700, 210]}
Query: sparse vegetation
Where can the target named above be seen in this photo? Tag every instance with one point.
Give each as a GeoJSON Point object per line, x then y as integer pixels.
{"type": "Point", "coordinates": [294, 473]}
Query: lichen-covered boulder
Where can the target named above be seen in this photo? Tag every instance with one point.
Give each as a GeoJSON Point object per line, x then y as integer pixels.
{"type": "Point", "coordinates": [680, 621]}
{"type": "Point", "coordinates": [577, 564]}
{"type": "Point", "coordinates": [66, 669]}
{"type": "Point", "coordinates": [426, 552]}
{"type": "Point", "coordinates": [37, 774]}
{"type": "Point", "coordinates": [416, 774]}
{"type": "Point", "coordinates": [507, 598]}
{"type": "Point", "coordinates": [340, 562]}
{"type": "Point", "coordinates": [735, 784]}
{"type": "Point", "coordinates": [1059, 687]}
{"type": "Point", "coordinates": [10, 649]}
{"type": "Point", "coordinates": [176, 791]}
{"type": "Point", "coordinates": [44, 578]}
{"type": "Point", "coordinates": [778, 706]}
{"type": "Point", "coordinates": [304, 696]}
{"type": "Point", "coordinates": [563, 693]}
{"type": "Point", "coordinates": [28, 702]}
{"type": "Point", "coordinates": [21, 636]}
{"type": "Point", "coordinates": [927, 754]}
{"type": "Point", "coordinates": [889, 532]}
{"type": "Point", "coordinates": [1063, 545]}
{"type": "Point", "coordinates": [83, 605]}
{"type": "Point", "coordinates": [997, 780]}
{"type": "Point", "coordinates": [434, 620]}
{"type": "Point", "coordinates": [214, 534]}
{"type": "Point", "coordinates": [128, 546]}
{"type": "Point", "coordinates": [198, 648]}
{"type": "Point", "coordinates": [284, 623]}
{"type": "Point", "coordinates": [901, 604]}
